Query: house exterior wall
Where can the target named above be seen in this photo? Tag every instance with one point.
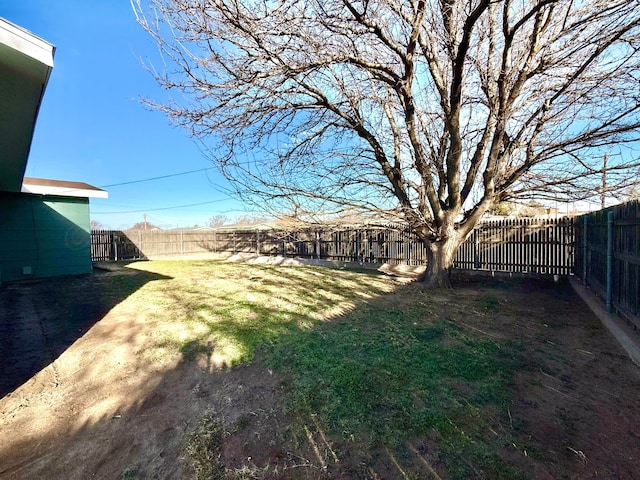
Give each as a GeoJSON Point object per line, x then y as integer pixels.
{"type": "Point", "coordinates": [43, 236]}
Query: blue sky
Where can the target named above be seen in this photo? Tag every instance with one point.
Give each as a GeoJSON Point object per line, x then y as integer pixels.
{"type": "Point", "coordinates": [93, 128]}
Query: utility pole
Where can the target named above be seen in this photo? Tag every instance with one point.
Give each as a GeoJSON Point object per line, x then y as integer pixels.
{"type": "Point", "coordinates": [605, 160]}
{"type": "Point", "coordinates": [145, 222]}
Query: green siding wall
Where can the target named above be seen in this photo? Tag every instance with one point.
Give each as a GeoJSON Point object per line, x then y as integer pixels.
{"type": "Point", "coordinates": [51, 235]}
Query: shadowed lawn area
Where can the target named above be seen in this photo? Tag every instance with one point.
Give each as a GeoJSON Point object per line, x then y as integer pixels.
{"type": "Point", "coordinates": [387, 377]}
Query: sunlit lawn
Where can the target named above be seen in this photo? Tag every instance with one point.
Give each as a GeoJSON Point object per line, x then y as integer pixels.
{"type": "Point", "coordinates": [228, 310]}
{"type": "Point", "coordinates": [375, 362]}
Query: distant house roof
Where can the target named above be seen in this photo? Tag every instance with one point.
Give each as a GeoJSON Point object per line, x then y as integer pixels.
{"type": "Point", "coordinates": [44, 186]}
{"type": "Point", "coordinates": [143, 226]}
{"type": "Point", "coordinates": [190, 229]}
{"type": "Point", "coordinates": [247, 227]}
{"type": "Point", "coordinates": [25, 65]}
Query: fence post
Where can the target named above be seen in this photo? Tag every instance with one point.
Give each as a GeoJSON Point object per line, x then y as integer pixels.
{"type": "Point", "coordinates": [585, 249]}
{"type": "Point", "coordinates": [115, 247]}
{"type": "Point", "coordinates": [258, 242]}
{"type": "Point", "coordinates": [477, 264]}
{"type": "Point", "coordinates": [318, 245]}
{"type": "Point", "coordinates": [609, 259]}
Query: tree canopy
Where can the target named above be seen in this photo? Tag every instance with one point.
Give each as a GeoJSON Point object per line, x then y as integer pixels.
{"type": "Point", "coordinates": [430, 111]}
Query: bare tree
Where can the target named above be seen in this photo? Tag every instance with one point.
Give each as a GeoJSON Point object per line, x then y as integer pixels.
{"type": "Point", "coordinates": [250, 220]}
{"type": "Point", "coordinates": [217, 221]}
{"type": "Point", "coordinates": [430, 111]}
{"type": "Point", "coordinates": [96, 225]}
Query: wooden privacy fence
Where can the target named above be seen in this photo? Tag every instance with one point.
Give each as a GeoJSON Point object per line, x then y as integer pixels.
{"type": "Point", "coordinates": [524, 245]}
{"type": "Point", "coordinates": [608, 257]}
{"type": "Point", "coordinates": [539, 246]}
{"type": "Point", "coordinates": [112, 246]}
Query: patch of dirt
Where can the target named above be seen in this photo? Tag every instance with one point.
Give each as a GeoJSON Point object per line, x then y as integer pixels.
{"type": "Point", "coordinates": [575, 403]}
{"type": "Point", "coordinates": [96, 409]}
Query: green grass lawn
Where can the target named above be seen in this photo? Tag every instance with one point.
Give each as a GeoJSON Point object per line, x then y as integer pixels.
{"type": "Point", "coordinates": [229, 310]}
{"type": "Point", "coordinates": [380, 366]}
{"type": "Point", "coordinates": [388, 377]}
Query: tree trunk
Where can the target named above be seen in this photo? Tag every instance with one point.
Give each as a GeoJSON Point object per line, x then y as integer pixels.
{"type": "Point", "coordinates": [440, 257]}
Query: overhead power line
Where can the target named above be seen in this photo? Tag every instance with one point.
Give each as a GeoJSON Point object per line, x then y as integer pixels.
{"type": "Point", "coordinates": [156, 178]}
{"type": "Point", "coordinates": [163, 208]}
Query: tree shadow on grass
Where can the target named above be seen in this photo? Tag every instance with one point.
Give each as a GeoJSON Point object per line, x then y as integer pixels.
{"type": "Point", "coordinates": [40, 319]}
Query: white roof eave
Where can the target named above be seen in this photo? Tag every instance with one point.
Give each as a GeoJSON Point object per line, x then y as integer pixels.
{"type": "Point", "coordinates": [63, 191]}
{"type": "Point", "coordinates": [26, 43]}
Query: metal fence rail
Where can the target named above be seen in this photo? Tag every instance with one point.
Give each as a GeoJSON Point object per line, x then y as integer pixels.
{"type": "Point", "coordinates": [540, 246]}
